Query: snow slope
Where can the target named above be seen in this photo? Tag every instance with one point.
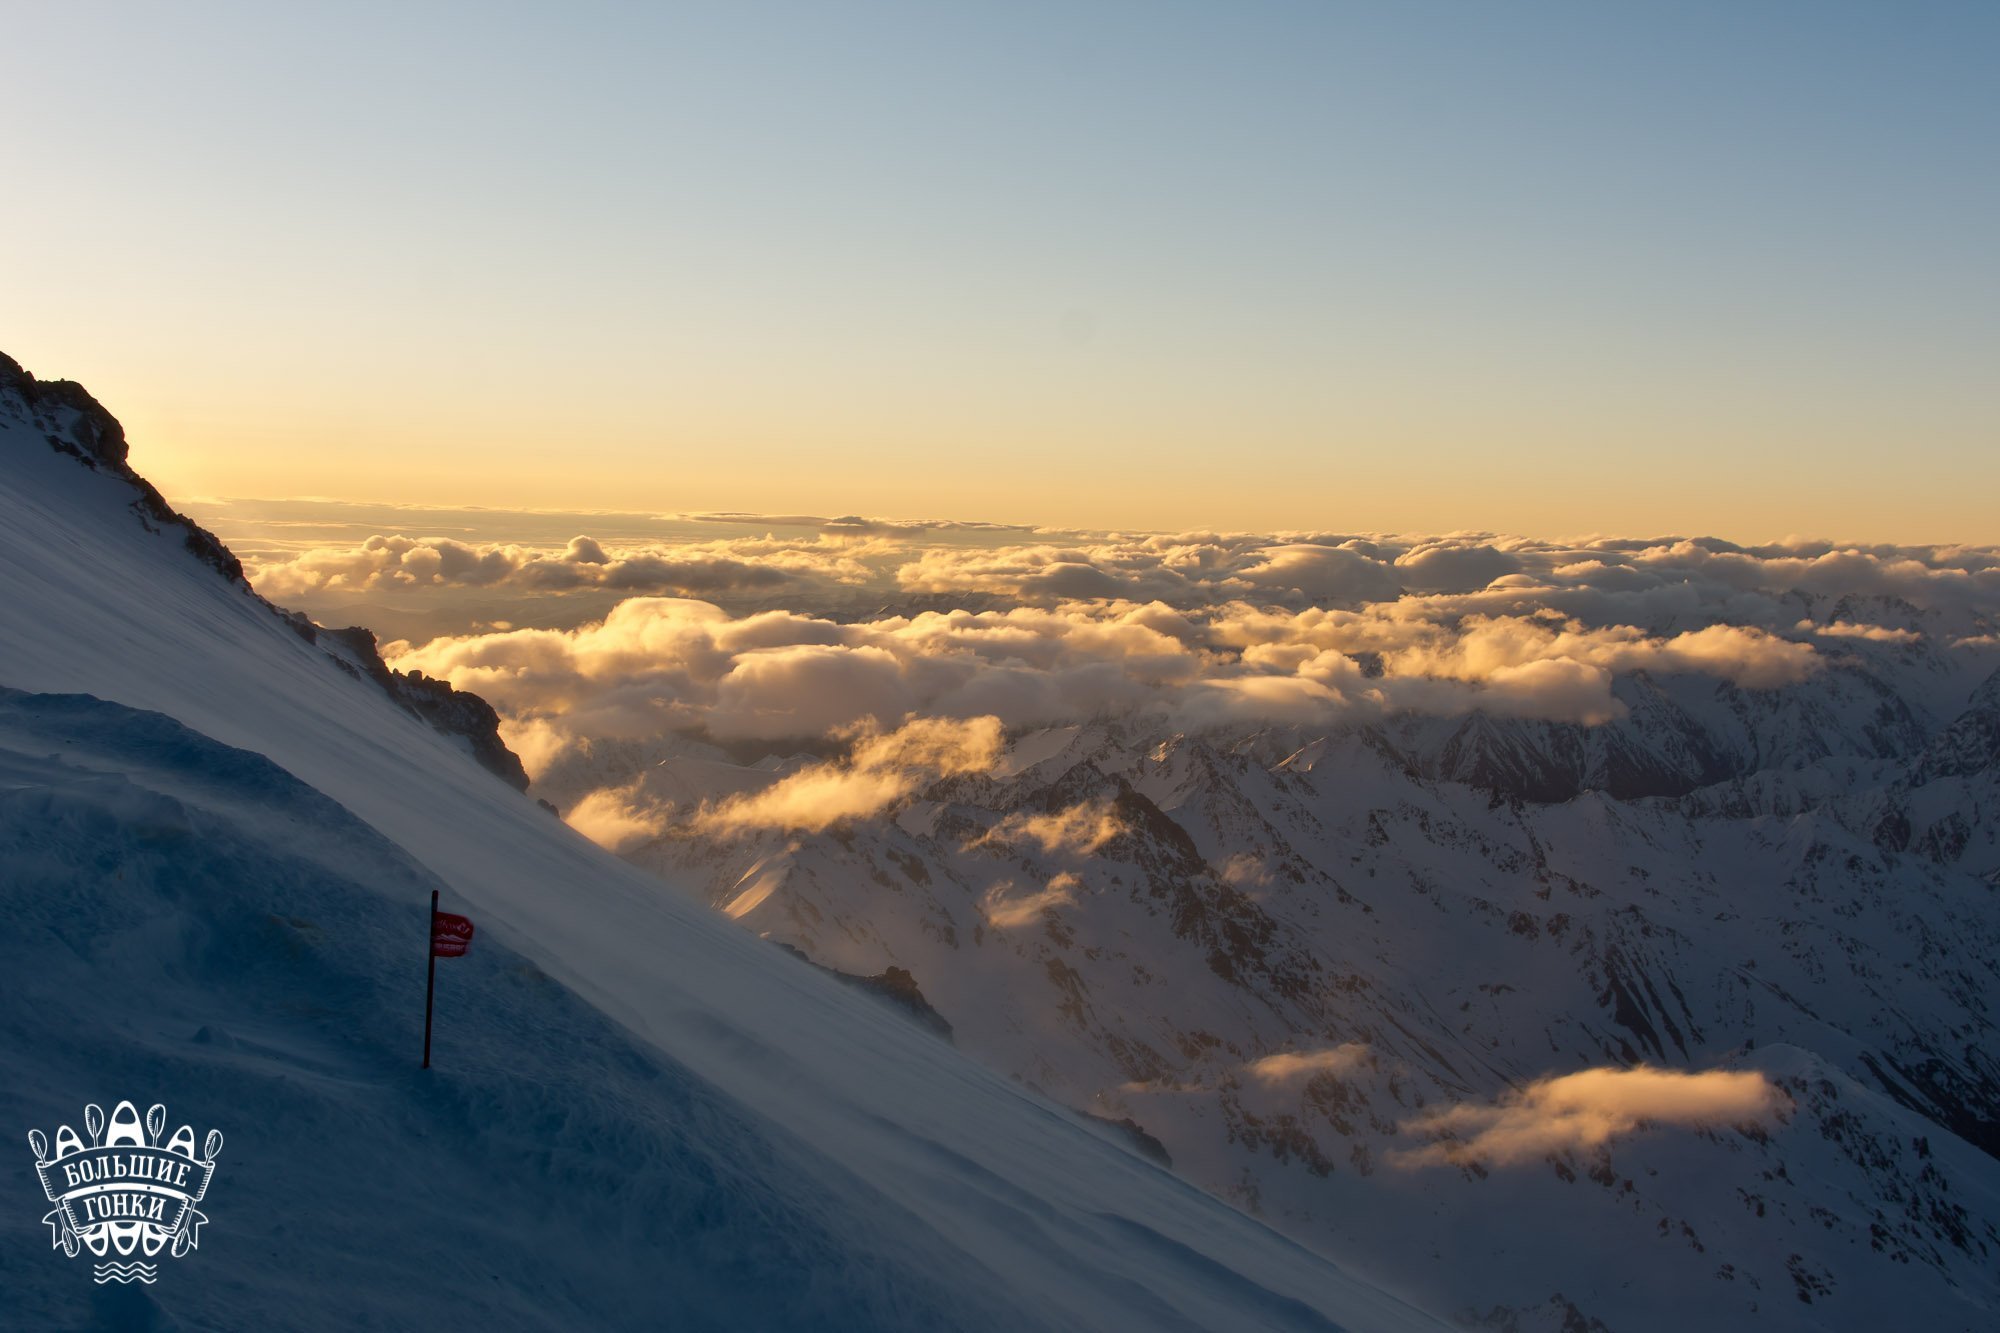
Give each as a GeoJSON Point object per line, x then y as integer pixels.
{"type": "Point", "coordinates": [1421, 945]}
{"type": "Point", "coordinates": [642, 1116]}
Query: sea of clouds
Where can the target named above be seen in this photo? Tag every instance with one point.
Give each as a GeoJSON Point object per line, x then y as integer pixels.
{"type": "Point", "coordinates": [859, 627]}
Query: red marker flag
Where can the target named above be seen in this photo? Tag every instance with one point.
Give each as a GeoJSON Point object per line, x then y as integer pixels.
{"type": "Point", "coordinates": [451, 934]}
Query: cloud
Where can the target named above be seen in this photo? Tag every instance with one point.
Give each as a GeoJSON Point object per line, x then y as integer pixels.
{"type": "Point", "coordinates": [585, 551]}
{"type": "Point", "coordinates": [1600, 580]}
{"type": "Point", "coordinates": [657, 665]}
{"type": "Point", "coordinates": [881, 770]}
{"type": "Point", "coordinates": [1454, 567]}
{"type": "Point", "coordinates": [1081, 829]}
{"type": "Point", "coordinates": [1584, 1110]}
{"type": "Point", "coordinates": [1245, 869]}
{"type": "Point", "coordinates": [808, 689]}
{"type": "Point", "coordinates": [401, 563]}
{"type": "Point", "coordinates": [1847, 629]}
{"type": "Point", "coordinates": [616, 818]}
{"type": "Point", "coordinates": [1292, 1067]}
{"type": "Point", "coordinates": [1193, 631]}
{"type": "Point", "coordinates": [1501, 650]}
{"type": "Point", "coordinates": [1003, 911]}
{"type": "Point", "coordinates": [1324, 574]}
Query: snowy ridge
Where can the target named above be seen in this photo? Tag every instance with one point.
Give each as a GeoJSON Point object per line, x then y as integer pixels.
{"type": "Point", "coordinates": [645, 1115]}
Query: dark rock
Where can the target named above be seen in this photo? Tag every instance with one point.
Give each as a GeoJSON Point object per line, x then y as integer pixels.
{"type": "Point", "coordinates": [95, 438]}
{"type": "Point", "coordinates": [452, 712]}
{"type": "Point", "coordinates": [76, 424]}
{"type": "Point", "coordinates": [894, 984]}
{"type": "Point", "coordinates": [1133, 1133]}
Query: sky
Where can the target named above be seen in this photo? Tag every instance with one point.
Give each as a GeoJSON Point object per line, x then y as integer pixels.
{"type": "Point", "coordinates": [1542, 268]}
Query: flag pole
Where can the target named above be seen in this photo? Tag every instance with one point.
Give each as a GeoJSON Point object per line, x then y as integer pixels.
{"type": "Point", "coordinates": [430, 982]}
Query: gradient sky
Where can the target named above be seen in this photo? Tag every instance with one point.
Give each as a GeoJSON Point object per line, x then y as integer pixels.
{"type": "Point", "coordinates": [1548, 268]}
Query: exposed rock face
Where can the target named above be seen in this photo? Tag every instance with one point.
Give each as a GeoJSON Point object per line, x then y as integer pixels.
{"type": "Point", "coordinates": [453, 712]}
{"type": "Point", "coordinates": [1135, 1134]}
{"type": "Point", "coordinates": [76, 424]}
{"type": "Point", "coordinates": [894, 984]}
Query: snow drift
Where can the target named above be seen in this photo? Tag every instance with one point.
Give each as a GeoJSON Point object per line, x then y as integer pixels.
{"type": "Point", "coordinates": [218, 839]}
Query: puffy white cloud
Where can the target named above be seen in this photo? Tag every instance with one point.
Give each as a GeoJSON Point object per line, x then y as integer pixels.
{"type": "Point", "coordinates": [1455, 566]}
{"type": "Point", "coordinates": [1322, 574]}
{"type": "Point", "coordinates": [664, 664]}
{"type": "Point", "coordinates": [808, 689]}
{"type": "Point", "coordinates": [1499, 649]}
{"type": "Point", "coordinates": [617, 817]}
{"type": "Point", "coordinates": [1585, 1110]}
{"type": "Point", "coordinates": [585, 551]}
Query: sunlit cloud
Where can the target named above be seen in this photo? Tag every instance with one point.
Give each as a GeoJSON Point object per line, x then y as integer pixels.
{"type": "Point", "coordinates": [1292, 1067]}
{"type": "Point", "coordinates": [1081, 829]}
{"type": "Point", "coordinates": [1847, 629]}
{"type": "Point", "coordinates": [1223, 632]}
{"type": "Point", "coordinates": [656, 665]}
{"type": "Point", "coordinates": [1585, 1110]}
{"type": "Point", "coordinates": [1005, 909]}
{"type": "Point", "coordinates": [616, 818]}
{"type": "Point", "coordinates": [708, 568]}
{"type": "Point", "coordinates": [1599, 581]}
{"type": "Point", "coordinates": [881, 770]}
{"type": "Point", "coordinates": [1453, 566]}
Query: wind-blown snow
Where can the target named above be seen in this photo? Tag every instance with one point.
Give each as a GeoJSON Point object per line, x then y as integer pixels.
{"type": "Point", "coordinates": [642, 1116]}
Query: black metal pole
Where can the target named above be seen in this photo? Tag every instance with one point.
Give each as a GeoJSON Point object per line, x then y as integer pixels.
{"type": "Point", "coordinates": [430, 981]}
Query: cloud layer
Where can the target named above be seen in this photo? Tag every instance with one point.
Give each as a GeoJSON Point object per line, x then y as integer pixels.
{"type": "Point", "coordinates": [657, 665]}
{"type": "Point", "coordinates": [1599, 580]}
{"type": "Point", "coordinates": [1192, 631]}
{"type": "Point", "coordinates": [705, 568]}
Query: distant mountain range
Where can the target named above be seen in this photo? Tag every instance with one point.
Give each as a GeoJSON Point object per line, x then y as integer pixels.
{"type": "Point", "coordinates": [1279, 954]}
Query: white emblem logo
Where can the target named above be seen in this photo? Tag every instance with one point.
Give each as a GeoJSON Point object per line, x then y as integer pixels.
{"type": "Point", "coordinates": [125, 1193]}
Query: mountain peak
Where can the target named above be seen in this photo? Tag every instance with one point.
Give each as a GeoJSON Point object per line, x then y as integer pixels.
{"type": "Point", "coordinates": [70, 420]}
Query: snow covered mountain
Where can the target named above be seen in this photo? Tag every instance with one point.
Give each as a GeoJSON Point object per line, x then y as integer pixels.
{"type": "Point", "coordinates": [1331, 974]}
{"type": "Point", "coordinates": [218, 829]}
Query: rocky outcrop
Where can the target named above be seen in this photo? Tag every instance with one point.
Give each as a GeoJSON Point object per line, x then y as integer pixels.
{"type": "Point", "coordinates": [1133, 1133]}
{"type": "Point", "coordinates": [452, 712]}
{"type": "Point", "coordinates": [75, 423]}
{"type": "Point", "coordinates": [894, 984]}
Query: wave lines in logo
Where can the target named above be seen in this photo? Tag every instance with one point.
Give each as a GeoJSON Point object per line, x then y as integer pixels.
{"type": "Point", "coordinates": [130, 1190]}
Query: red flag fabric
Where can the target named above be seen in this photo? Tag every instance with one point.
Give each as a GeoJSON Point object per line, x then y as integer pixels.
{"type": "Point", "coordinates": [451, 934]}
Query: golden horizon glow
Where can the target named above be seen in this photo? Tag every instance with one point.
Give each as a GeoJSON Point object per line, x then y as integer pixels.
{"type": "Point", "coordinates": [1223, 269]}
